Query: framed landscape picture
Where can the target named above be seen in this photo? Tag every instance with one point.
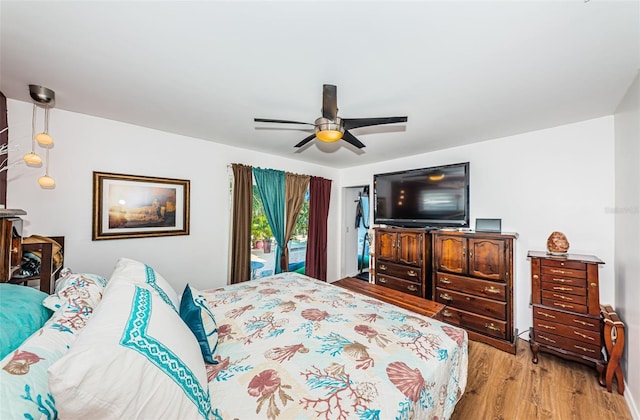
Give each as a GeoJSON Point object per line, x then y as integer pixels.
{"type": "Point", "coordinates": [132, 206]}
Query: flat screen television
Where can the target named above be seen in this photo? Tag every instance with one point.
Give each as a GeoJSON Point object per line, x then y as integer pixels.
{"type": "Point", "coordinates": [428, 197]}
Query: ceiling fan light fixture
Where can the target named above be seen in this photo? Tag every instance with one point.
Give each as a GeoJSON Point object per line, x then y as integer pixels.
{"type": "Point", "coordinates": [329, 131]}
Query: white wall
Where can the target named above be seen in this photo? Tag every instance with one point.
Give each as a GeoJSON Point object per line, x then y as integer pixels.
{"type": "Point", "coordinates": [556, 179]}
{"type": "Point", "coordinates": [627, 236]}
{"type": "Point", "coordinates": [85, 144]}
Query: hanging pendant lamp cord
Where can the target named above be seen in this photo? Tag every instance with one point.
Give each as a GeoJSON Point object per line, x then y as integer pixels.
{"type": "Point", "coordinates": [33, 130]}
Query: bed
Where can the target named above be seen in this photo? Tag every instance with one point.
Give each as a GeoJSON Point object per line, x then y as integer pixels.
{"type": "Point", "coordinates": [281, 347]}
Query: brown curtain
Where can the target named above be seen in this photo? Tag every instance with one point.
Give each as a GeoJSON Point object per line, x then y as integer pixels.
{"type": "Point", "coordinates": [240, 261]}
{"type": "Point", "coordinates": [319, 196]}
{"type": "Point", "coordinates": [295, 189]}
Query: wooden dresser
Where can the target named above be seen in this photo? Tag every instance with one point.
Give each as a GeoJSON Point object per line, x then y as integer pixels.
{"type": "Point", "coordinates": [402, 260]}
{"type": "Point", "coordinates": [566, 308]}
{"type": "Point", "coordinates": [473, 277]}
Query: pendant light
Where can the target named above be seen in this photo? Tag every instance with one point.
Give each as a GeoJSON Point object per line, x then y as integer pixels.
{"type": "Point", "coordinates": [46, 181]}
{"type": "Point", "coordinates": [44, 138]}
{"type": "Point", "coordinates": [43, 98]}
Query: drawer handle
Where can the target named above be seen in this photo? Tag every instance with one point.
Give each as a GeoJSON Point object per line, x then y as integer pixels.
{"type": "Point", "coordinates": [562, 280]}
{"type": "Point", "coordinates": [382, 280]}
{"type": "Point", "coordinates": [583, 335]}
{"type": "Point", "coordinates": [583, 323]}
{"type": "Point", "coordinates": [563, 289]}
{"type": "Point", "coordinates": [447, 314]}
{"type": "Point", "coordinates": [547, 315]}
{"type": "Point", "coordinates": [547, 339]}
{"type": "Point", "coordinates": [549, 327]}
{"type": "Point", "coordinates": [446, 296]}
{"type": "Point", "coordinates": [445, 280]}
{"type": "Point", "coordinates": [492, 327]}
{"type": "Point", "coordinates": [412, 288]}
{"type": "Point", "coordinates": [535, 276]}
{"type": "Point", "coordinates": [558, 271]}
{"type": "Point", "coordinates": [382, 267]}
{"type": "Point", "coordinates": [562, 305]}
{"type": "Point", "coordinates": [562, 297]}
{"type": "Point", "coordinates": [412, 273]}
{"type": "Point", "coordinates": [14, 250]}
{"type": "Point", "coordinates": [593, 284]}
{"type": "Point", "coordinates": [584, 349]}
{"type": "Point", "coordinates": [492, 290]}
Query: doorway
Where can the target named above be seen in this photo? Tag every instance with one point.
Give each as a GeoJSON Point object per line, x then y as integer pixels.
{"type": "Point", "coordinates": [355, 232]}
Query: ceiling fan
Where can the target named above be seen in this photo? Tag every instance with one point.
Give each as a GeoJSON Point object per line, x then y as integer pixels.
{"type": "Point", "coordinates": [330, 127]}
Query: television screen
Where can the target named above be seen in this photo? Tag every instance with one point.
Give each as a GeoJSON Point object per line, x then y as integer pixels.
{"type": "Point", "coordinates": [426, 197]}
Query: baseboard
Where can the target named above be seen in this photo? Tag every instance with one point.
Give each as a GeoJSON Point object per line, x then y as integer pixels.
{"type": "Point", "coordinates": [628, 396]}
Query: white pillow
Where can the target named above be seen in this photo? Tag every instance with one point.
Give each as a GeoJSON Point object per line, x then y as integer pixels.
{"type": "Point", "coordinates": [131, 271]}
{"type": "Point", "coordinates": [135, 359]}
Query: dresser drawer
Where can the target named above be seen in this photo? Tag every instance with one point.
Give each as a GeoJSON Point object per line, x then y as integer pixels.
{"type": "Point", "coordinates": [564, 272]}
{"type": "Point", "coordinates": [475, 322]}
{"type": "Point", "coordinates": [573, 289]}
{"type": "Point", "coordinates": [564, 297]}
{"type": "Point", "coordinates": [471, 303]}
{"type": "Point", "coordinates": [564, 281]}
{"type": "Point", "coordinates": [574, 346]}
{"type": "Point", "coordinates": [586, 336]}
{"type": "Point", "coordinates": [399, 270]}
{"type": "Point", "coordinates": [575, 265]}
{"type": "Point", "coordinates": [399, 284]}
{"type": "Point", "coordinates": [567, 306]}
{"type": "Point", "coordinates": [567, 318]}
{"type": "Point", "coordinates": [489, 289]}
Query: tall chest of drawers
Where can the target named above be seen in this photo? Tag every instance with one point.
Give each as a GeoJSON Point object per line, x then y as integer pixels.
{"type": "Point", "coordinates": [566, 308]}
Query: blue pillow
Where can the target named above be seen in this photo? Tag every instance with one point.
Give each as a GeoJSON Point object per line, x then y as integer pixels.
{"type": "Point", "coordinates": [21, 314]}
{"type": "Point", "coordinates": [200, 320]}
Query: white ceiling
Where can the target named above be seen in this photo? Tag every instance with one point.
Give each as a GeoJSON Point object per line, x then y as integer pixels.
{"type": "Point", "coordinates": [461, 71]}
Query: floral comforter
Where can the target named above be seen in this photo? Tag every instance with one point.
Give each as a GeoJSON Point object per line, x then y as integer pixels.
{"type": "Point", "coordinates": [291, 347]}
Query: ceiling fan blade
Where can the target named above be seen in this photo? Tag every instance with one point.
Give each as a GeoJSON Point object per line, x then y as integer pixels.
{"type": "Point", "coordinates": [329, 102]}
{"type": "Point", "coordinates": [268, 120]}
{"type": "Point", "coordinates": [306, 140]}
{"type": "Point", "coordinates": [351, 139]}
{"type": "Point", "coordinates": [350, 123]}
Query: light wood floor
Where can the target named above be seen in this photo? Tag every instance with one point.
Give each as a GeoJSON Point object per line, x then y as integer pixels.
{"type": "Point", "coordinates": [503, 386]}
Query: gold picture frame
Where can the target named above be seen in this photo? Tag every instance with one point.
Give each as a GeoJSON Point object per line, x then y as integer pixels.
{"type": "Point", "coordinates": [133, 206]}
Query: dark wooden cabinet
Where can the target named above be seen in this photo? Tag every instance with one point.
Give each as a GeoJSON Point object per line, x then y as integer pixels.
{"type": "Point", "coordinates": [11, 246]}
{"type": "Point", "coordinates": [473, 276]}
{"type": "Point", "coordinates": [402, 260]}
{"type": "Point", "coordinates": [566, 308]}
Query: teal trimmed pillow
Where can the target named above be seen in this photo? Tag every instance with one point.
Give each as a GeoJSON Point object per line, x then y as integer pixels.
{"type": "Point", "coordinates": [200, 320]}
{"type": "Point", "coordinates": [135, 359]}
{"type": "Point", "coordinates": [21, 314]}
{"type": "Point", "coordinates": [138, 273]}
